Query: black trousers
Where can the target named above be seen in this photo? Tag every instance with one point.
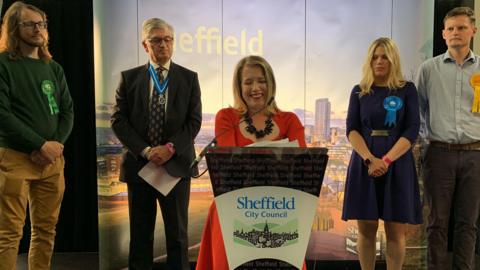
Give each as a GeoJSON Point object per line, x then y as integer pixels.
{"type": "Point", "coordinates": [452, 181]}
{"type": "Point", "coordinates": [142, 203]}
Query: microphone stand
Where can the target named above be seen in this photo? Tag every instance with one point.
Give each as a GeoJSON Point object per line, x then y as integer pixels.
{"type": "Point", "coordinates": [195, 162]}
{"type": "Point", "coordinates": [213, 142]}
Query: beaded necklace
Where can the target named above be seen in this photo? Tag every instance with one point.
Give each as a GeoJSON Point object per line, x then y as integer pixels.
{"type": "Point", "coordinates": [253, 130]}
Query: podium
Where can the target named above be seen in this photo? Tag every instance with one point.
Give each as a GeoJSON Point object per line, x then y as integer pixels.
{"type": "Point", "coordinates": [266, 199]}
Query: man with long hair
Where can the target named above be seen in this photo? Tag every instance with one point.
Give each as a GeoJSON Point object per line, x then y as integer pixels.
{"type": "Point", "coordinates": [37, 117]}
{"type": "Point", "coordinates": [450, 124]}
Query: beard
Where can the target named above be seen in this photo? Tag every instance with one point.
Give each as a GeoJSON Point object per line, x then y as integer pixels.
{"type": "Point", "coordinates": [34, 42]}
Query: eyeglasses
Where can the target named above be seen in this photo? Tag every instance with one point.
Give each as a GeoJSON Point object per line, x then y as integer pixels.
{"type": "Point", "coordinates": [158, 41]}
{"type": "Point", "coordinates": [32, 25]}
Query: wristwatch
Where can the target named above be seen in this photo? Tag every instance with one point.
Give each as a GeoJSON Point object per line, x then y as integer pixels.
{"type": "Point", "coordinates": [367, 162]}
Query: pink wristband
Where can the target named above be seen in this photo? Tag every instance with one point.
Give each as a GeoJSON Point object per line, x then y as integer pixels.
{"type": "Point", "coordinates": [170, 147]}
{"type": "Point", "coordinates": [387, 160]}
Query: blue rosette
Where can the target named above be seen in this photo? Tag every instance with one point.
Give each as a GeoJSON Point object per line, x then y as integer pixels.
{"type": "Point", "coordinates": [392, 104]}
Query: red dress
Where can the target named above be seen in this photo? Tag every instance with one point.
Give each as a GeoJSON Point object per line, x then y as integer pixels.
{"type": "Point", "coordinates": [212, 255]}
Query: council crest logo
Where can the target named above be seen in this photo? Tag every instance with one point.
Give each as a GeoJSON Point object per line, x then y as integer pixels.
{"type": "Point", "coordinates": [265, 235]}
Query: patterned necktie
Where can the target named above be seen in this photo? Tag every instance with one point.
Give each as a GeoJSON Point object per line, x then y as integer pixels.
{"type": "Point", "coordinates": [157, 113]}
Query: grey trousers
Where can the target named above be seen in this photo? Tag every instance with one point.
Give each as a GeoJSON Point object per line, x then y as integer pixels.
{"type": "Point", "coordinates": [452, 178]}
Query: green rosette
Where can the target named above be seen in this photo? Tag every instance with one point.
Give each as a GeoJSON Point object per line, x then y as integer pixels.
{"type": "Point", "coordinates": [48, 88]}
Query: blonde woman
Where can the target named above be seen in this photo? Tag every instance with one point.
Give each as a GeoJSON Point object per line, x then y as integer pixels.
{"type": "Point", "coordinates": [382, 124]}
{"type": "Point", "coordinates": [254, 117]}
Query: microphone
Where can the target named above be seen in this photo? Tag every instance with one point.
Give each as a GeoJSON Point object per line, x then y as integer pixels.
{"type": "Point", "coordinates": [213, 142]}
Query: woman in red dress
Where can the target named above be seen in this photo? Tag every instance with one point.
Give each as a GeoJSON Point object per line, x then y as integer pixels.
{"type": "Point", "coordinates": [254, 117]}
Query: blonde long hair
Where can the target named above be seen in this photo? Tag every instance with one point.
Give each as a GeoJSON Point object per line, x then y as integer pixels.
{"type": "Point", "coordinates": [395, 77]}
{"type": "Point", "coordinates": [9, 39]}
{"type": "Point", "coordinates": [253, 61]}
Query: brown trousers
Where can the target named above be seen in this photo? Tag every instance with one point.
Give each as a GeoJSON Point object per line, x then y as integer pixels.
{"type": "Point", "coordinates": [22, 181]}
{"type": "Point", "coordinates": [452, 178]}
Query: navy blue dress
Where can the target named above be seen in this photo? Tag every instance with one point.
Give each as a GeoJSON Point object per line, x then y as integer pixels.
{"type": "Point", "coordinates": [395, 195]}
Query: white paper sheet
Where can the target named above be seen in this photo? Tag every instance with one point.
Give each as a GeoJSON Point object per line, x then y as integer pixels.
{"type": "Point", "coordinates": [158, 177]}
{"type": "Point", "coordinates": [279, 143]}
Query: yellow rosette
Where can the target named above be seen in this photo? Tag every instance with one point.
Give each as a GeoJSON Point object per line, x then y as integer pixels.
{"type": "Point", "coordinates": [475, 83]}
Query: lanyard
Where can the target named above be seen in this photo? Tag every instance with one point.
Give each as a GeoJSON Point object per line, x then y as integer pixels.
{"type": "Point", "coordinates": [160, 87]}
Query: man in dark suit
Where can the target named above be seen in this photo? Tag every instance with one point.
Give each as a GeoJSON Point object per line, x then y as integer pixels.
{"type": "Point", "coordinates": [157, 116]}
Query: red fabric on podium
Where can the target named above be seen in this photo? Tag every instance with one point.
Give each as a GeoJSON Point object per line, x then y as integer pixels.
{"type": "Point", "coordinates": [212, 254]}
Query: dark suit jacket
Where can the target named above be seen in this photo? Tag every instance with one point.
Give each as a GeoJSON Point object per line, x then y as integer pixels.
{"type": "Point", "coordinates": [182, 123]}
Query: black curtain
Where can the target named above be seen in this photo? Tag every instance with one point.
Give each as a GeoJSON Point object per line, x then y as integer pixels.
{"type": "Point", "coordinates": [70, 25]}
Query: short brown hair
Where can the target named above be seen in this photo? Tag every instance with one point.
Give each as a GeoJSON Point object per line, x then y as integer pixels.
{"type": "Point", "coordinates": [9, 36]}
{"type": "Point", "coordinates": [460, 11]}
